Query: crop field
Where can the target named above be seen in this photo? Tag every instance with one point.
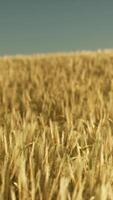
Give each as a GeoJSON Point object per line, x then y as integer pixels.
{"type": "Point", "coordinates": [56, 126]}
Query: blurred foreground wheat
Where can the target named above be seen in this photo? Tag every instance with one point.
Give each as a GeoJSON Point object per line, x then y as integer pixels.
{"type": "Point", "coordinates": [56, 127]}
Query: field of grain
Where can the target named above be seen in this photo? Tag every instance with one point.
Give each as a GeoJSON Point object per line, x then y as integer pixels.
{"type": "Point", "coordinates": [56, 127]}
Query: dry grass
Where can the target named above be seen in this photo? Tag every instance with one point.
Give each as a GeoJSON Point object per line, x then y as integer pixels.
{"type": "Point", "coordinates": [56, 127]}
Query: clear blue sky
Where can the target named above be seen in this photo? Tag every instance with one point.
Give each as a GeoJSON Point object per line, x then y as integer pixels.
{"type": "Point", "coordinates": [37, 26]}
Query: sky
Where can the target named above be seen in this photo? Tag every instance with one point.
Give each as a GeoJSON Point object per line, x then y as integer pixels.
{"type": "Point", "coordinates": [43, 26]}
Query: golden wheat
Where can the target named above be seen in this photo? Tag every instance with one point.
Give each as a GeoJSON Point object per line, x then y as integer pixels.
{"type": "Point", "coordinates": [56, 127]}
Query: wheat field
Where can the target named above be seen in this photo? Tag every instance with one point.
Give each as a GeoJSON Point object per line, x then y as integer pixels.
{"type": "Point", "coordinates": [56, 126]}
